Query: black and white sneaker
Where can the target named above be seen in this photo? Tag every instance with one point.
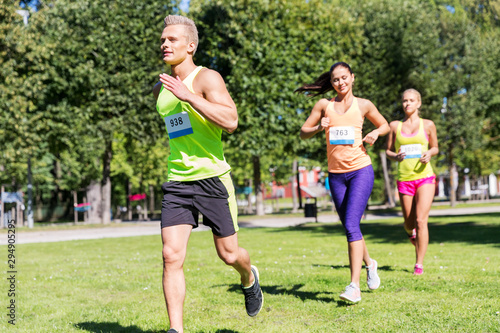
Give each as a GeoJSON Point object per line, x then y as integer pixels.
{"type": "Point", "coordinates": [253, 295]}
{"type": "Point", "coordinates": [172, 330]}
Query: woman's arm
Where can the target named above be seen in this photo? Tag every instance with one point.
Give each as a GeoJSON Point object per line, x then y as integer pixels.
{"type": "Point", "coordinates": [430, 129]}
{"type": "Point", "coordinates": [391, 147]}
{"type": "Point", "coordinates": [316, 122]}
{"type": "Point", "coordinates": [370, 111]}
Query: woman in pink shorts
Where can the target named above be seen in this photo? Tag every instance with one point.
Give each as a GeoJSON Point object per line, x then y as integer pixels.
{"type": "Point", "coordinates": [412, 142]}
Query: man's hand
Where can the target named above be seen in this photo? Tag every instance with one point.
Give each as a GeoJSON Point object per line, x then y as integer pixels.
{"type": "Point", "coordinates": [175, 86]}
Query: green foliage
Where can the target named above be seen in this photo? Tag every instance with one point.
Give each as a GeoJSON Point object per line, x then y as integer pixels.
{"type": "Point", "coordinates": [100, 75]}
{"type": "Point", "coordinates": [140, 163]}
{"type": "Point", "coordinates": [80, 75]}
{"type": "Point", "coordinates": [16, 128]}
{"type": "Point", "coordinates": [265, 50]}
{"type": "Point", "coordinates": [466, 78]}
{"type": "Point", "coordinates": [86, 71]}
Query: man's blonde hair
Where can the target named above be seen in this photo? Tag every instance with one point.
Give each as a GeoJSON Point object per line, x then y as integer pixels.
{"type": "Point", "coordinates": [190, 28]}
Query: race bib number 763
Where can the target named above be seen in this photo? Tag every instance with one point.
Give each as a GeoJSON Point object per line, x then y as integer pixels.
{"type": "Point", "coordinates": [341, 135]}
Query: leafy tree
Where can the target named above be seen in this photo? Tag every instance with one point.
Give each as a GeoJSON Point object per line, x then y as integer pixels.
{"type": "Point", "coordinates": [95, 63]}
{"type": "Point", "coordinates": [139, 166]}
{"type": "Point", "coordinates": [265, 50]}
{"type": "Point", "coordinates": [19, 123]}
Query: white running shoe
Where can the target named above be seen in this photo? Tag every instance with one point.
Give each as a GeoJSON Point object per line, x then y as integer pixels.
{"type": "Point", "coordinates": [372, 278]}
{"type": "Point", "coordinates": [351, 293]}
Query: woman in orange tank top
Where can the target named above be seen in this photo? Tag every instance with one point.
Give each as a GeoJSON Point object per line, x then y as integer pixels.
{"type": "Point", "coordinates": [350, 171]}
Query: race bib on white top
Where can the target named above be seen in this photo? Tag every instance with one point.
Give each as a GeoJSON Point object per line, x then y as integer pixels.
{"type": "Point", "coordinates": [178, 125]}
{"type": "Point", "coordinates": [412, 151]}
{"type": "Point", "coordinates": [342, 135]}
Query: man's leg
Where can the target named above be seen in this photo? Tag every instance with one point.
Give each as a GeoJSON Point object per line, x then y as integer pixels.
{"type": "Point", "coordinates": [235, 256]}
{"type": "Point", "coordinates": [175, 239]}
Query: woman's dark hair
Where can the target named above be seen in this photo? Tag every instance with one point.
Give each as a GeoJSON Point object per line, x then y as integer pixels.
{"type": "Point", "coordinates": [323, 83]}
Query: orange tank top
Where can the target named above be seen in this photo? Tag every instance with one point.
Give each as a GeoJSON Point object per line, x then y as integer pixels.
{"type": "Point", "coordinates": [345, 150]}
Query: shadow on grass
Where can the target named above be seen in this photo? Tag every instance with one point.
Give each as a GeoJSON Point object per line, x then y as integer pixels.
{"type": "Point", "coordinates": [381, 268]}
{"type": "Point", "coordinates": [292, 290]}
{"type": "Point", "coordinates": [108, 327]}
{"type": "Point", "coordinates": [221, 331]}
{"type": "Point", "coordinates": [115, 327]}
{"type": "Point", "coordinates": [457, 229]}
{"type": "Point", "coordinates": [302, 295]}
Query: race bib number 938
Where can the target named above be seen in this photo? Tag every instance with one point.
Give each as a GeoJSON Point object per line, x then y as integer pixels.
{"type": "Point", "coordinates": [178, 125]}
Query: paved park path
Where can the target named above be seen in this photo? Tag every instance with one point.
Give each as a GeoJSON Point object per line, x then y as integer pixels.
{"type": "Point", "coordinates": [127, 229]}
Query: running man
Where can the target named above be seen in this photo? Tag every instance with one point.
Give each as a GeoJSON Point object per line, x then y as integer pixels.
{"type": "Point", "coordinates": [412, 142]}
{"type": "Point", "coordinates": [196, 107]}
{"type": "Point", "coordinates": [350, 172]}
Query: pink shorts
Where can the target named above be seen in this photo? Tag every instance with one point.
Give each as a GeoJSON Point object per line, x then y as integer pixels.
{"type": "Point", "coordinates": [410, 187]}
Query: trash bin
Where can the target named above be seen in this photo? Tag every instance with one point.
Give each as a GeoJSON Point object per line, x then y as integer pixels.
{"type": "Point", "coordinates": [311, 210]}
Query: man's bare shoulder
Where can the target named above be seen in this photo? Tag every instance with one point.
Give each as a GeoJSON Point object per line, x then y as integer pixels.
{"type": "Point", "coordinates": [207, 77]}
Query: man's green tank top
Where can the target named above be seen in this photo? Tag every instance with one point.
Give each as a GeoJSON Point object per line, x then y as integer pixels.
{"type": "Point", "coordinates": [195, 143]}
{"type": "Point", "coordinates": [411, 168]}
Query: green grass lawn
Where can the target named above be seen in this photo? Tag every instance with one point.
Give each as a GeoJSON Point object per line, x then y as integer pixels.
{"type": "Point", "coordinates": [114, 285]}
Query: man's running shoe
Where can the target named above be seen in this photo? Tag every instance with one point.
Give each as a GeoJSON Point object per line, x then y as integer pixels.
{"type": "Point", "coordinates": [372, 278]}
{"type": "Point", "coordinates": [419, 269]}
{"type": "Point", "coordinates": [351, 293]}
{"type": "Point", "coordinates": [253, 295]}
{"type": "Point", "coordinates": [172, 330]}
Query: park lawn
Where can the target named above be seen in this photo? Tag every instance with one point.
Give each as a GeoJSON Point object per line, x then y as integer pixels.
{"type": "Point", "coordinates": [114, 285]}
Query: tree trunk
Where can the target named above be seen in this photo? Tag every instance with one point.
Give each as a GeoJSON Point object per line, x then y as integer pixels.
{"type": "Point", "coordinates": [94, 214]}
{"type": "Point", "coordinates": [106, 184]}
{"type": "Point", "coordinates": [249, 209]}
{"type": "Point", "coordinates": [58, 178]}
{"type": "Point", "coordinates": [75, 202]}
{"type": "Point", "coordinates": [295, 200]}
{"type": "Point", "coordinates": [2, 225]}
{"type": "Point", "coordinates": [86, 212]}
{"type": "Point", "coordinates": [54, 193]}
{"type": "Point", "coordinates": [452, 171]}
{"type": "Point", "coordinates": [129, 203]}
{"type": "Point", "coordinates": [259, 199]}
{"type": "Point", "coordinates": [299, 191]}
{"type": "Point", "coordinates": [388, 187]}
{"type": "Point", "coordinates": [151, 200]}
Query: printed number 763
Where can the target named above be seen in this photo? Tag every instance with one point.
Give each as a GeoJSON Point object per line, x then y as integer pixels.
{"type": "Point", "coordinates": [342, 132]}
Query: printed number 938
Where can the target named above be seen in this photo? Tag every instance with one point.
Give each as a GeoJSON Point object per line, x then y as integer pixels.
{"type": "Point", "coordinates": [176, 122]}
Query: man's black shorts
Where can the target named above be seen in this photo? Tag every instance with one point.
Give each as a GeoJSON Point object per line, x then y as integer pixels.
{"type": "Point", "coordinates": [213, 197]}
